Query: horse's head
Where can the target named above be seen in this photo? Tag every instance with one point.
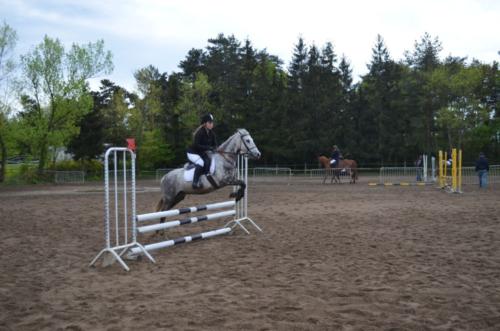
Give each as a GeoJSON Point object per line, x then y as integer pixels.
{"type": "Point", "coordinates": [240, 143]}
{"type": "Point", "coordinates": [324, 161]}
{"type": "Point", "coordinates": [247, 145]}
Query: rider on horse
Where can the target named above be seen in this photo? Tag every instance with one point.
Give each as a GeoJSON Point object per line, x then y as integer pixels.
{"type": "Point", "coordinates": [335, 159]}
{"type": "Point", "coordinates": [204, 141]}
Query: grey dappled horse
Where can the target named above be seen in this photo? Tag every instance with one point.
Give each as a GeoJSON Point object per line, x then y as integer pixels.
{"type": "Point", "coordinates": [174, 188]}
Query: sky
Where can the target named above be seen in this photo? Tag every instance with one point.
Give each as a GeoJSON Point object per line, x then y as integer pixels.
{"type": "Point", "coordinates": [160, 33]}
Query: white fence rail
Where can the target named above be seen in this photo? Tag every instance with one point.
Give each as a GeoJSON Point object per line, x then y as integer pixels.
{"type": "Point", "coordinates": [469, 175]}
{"type": "Point", "coordinates": [406, 174]}
{"type": "Point", "coordinates": [262, 171]}
{"type": "Point", "coordinates": [271, 174]}
{"type": "Point", "coordinates": [66, 177]}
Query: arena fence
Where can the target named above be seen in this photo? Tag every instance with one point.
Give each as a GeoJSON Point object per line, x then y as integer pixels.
{"type": "Point", "coordinates": [280, 175]}
{"type": "Point", "coordinates": [406, 174]}
{"type": "Point", "coordinates": [469, 175]}
{"type": "Point", "coordinates": [65, 177]}
{"type": "Point", "coordinates": [272, 174]}
{"type": "Point", "coordinates": [377, 175]}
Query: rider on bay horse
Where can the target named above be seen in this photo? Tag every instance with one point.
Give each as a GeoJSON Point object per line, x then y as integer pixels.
{"type": "Point", "coordinates": [335, 159]}
{"type": "Point", "coordinates": [204, 140]}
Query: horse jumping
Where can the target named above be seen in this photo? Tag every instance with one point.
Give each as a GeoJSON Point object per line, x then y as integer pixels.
{"type": "Point", "coordinates": [350, 165]}
{"type": "Point", "coordinates": [174, 187]}
{"type": "Point", "coordinates": [122, 230]}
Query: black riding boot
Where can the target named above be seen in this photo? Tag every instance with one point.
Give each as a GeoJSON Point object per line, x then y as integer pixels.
{"type": "Point", "coordinates": [198, 171]}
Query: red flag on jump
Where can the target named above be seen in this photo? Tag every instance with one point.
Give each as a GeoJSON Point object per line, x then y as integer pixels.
{"type": "Point", "coordinates": [131, 144]}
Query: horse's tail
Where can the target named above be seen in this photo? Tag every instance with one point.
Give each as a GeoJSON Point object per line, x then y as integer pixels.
{"type": "Point", "coordinates": [160, 205]}
{"type": "Point", "coordinates": [355, 167]}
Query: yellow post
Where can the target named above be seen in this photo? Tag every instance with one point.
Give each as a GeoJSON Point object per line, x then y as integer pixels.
{"type": "Point", "coordinates": [460, 170]}
{"type": "Point", "coordinates": [445, 165]}
{"type": "Point", "coordinates": [454, 169]}
{"type": "Point", "coordinates": [441, 173]}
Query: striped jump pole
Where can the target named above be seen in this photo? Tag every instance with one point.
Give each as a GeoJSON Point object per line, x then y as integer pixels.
{"type": "Point", "coordinates": [189, 220]}
{"type": "Point", "coordinates": [175, 212]}
{"type": "Point", "coordinates": [400, 184]}
{"type": "Point", "coordinates": [181, 240]}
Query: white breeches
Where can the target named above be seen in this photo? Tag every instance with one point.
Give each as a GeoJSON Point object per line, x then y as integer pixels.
{"type": "Point", "coordinates": [196, 159]}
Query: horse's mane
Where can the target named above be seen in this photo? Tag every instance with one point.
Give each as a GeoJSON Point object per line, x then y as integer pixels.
{"type": "Point", "coordinates": [325, 161]}
{"type": "Point", "coordinates": [223, 147]}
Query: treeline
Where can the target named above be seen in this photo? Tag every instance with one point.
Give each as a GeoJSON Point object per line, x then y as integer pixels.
{"type": "Point", "coordinates": [399, 109]}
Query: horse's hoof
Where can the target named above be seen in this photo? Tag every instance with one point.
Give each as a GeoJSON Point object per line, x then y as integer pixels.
{"type": "Point", "coordinates": [239, 196]}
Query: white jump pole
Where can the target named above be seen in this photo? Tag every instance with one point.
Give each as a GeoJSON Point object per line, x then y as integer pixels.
{"type": "Point", "coordinates": [425, 159]}
{"type": "Point", "coordinates": [433, 167]}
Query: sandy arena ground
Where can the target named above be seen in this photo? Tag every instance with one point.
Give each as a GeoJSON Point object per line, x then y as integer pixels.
{"type": "Point", "coordinates": [332, 257]}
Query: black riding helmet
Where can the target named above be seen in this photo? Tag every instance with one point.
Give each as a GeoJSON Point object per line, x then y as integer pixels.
{"type": "Point", "coordinates": [207, 118]}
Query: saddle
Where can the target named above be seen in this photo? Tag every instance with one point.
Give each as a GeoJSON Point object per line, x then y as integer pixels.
{"type": "Point", "coordinates": [190, 166]}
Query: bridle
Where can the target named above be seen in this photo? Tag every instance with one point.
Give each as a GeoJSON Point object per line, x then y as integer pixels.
{"type": "Point", "coordinates": [249, 149]}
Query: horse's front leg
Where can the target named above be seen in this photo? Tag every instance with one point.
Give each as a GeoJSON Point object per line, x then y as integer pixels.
{"type": "Point", "coordinates": [334, 174]}
{"type": "Point", "coordinates": [240, 193]}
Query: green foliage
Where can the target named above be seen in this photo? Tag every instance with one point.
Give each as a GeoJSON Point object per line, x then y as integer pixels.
{"type": "Point", "coordinates": [28, 174]}
{"type": "Point", "coordinates": [193, 103]}
{"type": "Point", "coordinates": [154, 152]}
{"type": "Point", "coordinates": [8, 39]}
{"type": "Point", "coordinates": [72, 165]}
{"type": "Point", "coordinates": [462, 112]}
{"type": "Point", "coordinates": [55, 91]}
{"type": "Point", "coordinates": [398, 110]}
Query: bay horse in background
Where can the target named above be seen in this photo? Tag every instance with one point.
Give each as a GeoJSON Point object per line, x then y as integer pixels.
{"type": "Point", "coordinates": [351, 166]}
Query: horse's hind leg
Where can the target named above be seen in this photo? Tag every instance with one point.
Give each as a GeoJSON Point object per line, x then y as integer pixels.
{"type": "Point", "coordinates": [178, 198]}
{"type": "Point", "coordinates": [334, 176]}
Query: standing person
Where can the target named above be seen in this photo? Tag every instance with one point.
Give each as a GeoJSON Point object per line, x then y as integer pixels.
{"type": "Point", "coordinates": [335, 159]}
{"type": "Point", "coordinates": [419, 164]}
{"type": "Point", "coordinates": [204, 140]}
{"type": "Point", "coordinates": [482, 168]}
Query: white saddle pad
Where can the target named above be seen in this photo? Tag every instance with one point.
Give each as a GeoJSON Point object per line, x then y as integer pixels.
{"type": "Point", "coordinates": [189, 174]}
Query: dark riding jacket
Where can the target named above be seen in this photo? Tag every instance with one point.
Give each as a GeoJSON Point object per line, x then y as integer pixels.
{"type": "Point", "coordinates": [204, 140]}
{"type": "Point", "coordinates": [336, 156]}
{"type": "Point", "coordinates": [482, 164]}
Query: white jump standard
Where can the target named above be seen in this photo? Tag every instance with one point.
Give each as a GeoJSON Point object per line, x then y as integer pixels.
{"type": "Point", "coordinates": [121, 248]}
{"type": "Point", "coordinates": [130, 245]}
